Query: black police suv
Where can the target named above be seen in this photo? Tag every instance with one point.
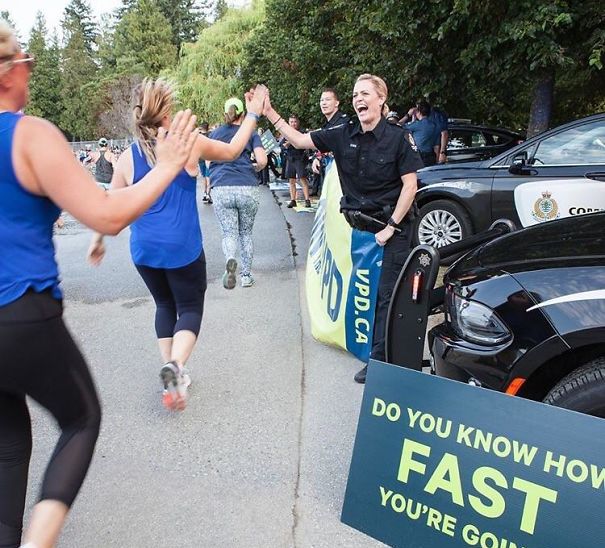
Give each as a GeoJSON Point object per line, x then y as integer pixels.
{"type": "Point", "coordinates": [525, 314]}
{"type": "Point", "coordinates": [468, 142]}
{"type": "Point", "coordinates": [555, 174]}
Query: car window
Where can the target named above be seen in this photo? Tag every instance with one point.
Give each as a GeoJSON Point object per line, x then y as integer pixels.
{"type": "Point", "coordinates": [583, 144]}
{"type": "Point", "coordinates": [465, 138]}
{"type": "Point", "coordinates": [499, 139]}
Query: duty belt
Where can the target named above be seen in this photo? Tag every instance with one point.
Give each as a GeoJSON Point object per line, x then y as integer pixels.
{"type": "Point", "coordinates": [363, 221]}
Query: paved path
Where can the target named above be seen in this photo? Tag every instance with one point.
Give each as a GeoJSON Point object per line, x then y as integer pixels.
{"type": "Point", "coordinates": [261, 455]}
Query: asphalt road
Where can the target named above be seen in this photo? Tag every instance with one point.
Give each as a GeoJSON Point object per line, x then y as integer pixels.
{"type": "Point", "coordinates": [261, 455]}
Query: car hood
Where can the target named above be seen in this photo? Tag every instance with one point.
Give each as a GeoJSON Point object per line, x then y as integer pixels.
{"type": "Point", "coordinates": [440, 173]}
{"type": "Point", "coordinates": [565, 242]}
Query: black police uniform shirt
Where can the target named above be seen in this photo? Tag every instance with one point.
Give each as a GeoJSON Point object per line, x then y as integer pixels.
{"type": "Point", "coordinates": [337, 119]}
{"type": "Point", "coordinates": [370, 164]}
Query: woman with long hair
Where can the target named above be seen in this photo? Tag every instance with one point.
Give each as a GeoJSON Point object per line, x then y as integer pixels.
{"type": "Point", "coordinates": [39, 177]}
{"type": "Point", "coordinates": [166, 242]}
{"type": "Point", "coordinates": [236, 195]}
{"type": "Point", "coordinates": [377, 164]}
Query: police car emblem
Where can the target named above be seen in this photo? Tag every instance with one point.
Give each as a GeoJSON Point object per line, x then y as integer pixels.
{"type": "Point", "coordinates": [546, 208]}
{"type": "Point", "coordinates": [424, 260]}
{"type": "Point", "coordinates": [412, 142]}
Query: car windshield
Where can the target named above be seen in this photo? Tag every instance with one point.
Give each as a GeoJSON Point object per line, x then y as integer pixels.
{"type": "Point", "coordinates": [583, 144]}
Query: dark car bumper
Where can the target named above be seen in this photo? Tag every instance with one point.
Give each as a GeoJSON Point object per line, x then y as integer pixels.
{"type": "Point", "coordinates": [458, 360]}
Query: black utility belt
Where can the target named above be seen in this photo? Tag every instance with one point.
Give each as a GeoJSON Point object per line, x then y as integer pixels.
{"type": "Point", "coordinates": [370, 221]}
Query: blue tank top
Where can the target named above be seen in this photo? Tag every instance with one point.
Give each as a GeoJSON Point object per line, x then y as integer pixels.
{"type": "Point", "coordinates": [168, 234]}
{"type": "Point", "coordinates": [27, 253]}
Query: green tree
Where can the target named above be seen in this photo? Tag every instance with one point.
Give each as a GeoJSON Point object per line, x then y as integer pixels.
{"type": "Point", "coordinates": [143, 41]}
{"type": "Point", "coordinates": [79, 71]}
{"type": "Point", "coordinates": [485, 59]}
{"type": "Point", "coordinates": [78, 14]}
{"type": "Point", "coordinates": [186, 17]}
{"type": "Point", "coordinates": [45, 83]}
{"type": "Point", "coordinates": [210, 70]}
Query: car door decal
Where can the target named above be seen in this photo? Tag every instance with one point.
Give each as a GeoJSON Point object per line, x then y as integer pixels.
{"type": "Point", "coordinates": [595, 295]}
{"type": "Point", "coordinates": [540, 201]}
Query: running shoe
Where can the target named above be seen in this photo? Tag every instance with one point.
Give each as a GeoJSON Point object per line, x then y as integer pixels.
{"type": "Point", "coordinates": [247, 280]}
{"type": "Point", "coordinates": [209, 201]}
{"type": "Point", "coordinates": [229, 280]}
{"type": "Point", "coordinates": [291, 203]}
{"type": "Point", "coordinates": [175, 385]}
{"type": "Point", "coordinates": [307, 203]}
{"type": "Point", "coordinates": [205, 197]}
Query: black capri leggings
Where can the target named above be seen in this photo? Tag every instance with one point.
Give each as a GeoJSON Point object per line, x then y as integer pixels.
{"type": "Point", "coordinates": [179, 296]}
{"type": "Point", "coordinates": [38, 358]}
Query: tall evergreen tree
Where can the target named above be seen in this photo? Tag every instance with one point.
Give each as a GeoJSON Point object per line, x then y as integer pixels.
{"type": "Point", "coordinates": [79, 70]}
{"type": "Point", "coordinates": [143, 41]}
{"type": "Point", "coordinates": [186, 17]}
{"type": "Point", "coordinates": [45, 84]}
{"type": "Point", "coordinates": [78, 15]}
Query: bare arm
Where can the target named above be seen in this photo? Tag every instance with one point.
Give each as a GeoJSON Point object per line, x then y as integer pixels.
{"type": "Point", "coordinates": [45, 166]}
{"type": "Point", "coordinates": [404, 202]}
{"type": "Point", "coordinates": [209, 149]}
{"type": "Point", "coordinates": [294, 137]}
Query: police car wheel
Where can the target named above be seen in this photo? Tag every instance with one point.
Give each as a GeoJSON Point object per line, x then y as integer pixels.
{"type": "Point", "coordinates": [441, 223]}
{"type": "Point", "coordinates": [582, 390]}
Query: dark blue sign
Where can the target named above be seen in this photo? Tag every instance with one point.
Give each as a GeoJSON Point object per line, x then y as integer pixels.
{"type": "Point", "coordinates": [440, 463]}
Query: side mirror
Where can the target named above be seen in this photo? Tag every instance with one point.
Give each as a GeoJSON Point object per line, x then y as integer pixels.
{"type": "Point", "coordinates": [519, 164]}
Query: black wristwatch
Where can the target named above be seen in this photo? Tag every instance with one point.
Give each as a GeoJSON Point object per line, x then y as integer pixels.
{"type": "Point", "coordinates": [391, 222]}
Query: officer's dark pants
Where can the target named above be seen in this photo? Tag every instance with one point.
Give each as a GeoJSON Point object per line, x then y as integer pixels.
{"type": "Point", "coordinates": [428, 158]}
{"type": "Point", "coordinates": [396, 252]}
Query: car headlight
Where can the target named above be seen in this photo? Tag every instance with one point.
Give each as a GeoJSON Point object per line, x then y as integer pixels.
{"type": "Point", "coordinates": [475, 322]}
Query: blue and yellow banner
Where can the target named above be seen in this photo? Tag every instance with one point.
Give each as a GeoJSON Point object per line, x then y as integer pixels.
{"type": "Point", "coordinates": [343, 269]}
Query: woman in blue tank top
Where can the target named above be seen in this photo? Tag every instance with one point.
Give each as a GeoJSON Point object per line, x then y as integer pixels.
{"type": "Point", "coordinates": [166, 242]}
{"type": "Point", "coordinates": [39, 176]}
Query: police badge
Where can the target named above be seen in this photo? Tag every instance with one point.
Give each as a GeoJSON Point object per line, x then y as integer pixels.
{"type": "Point", "coordinates": [546, 208]}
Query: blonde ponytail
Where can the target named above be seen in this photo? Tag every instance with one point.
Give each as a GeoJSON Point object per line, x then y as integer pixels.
{"type": "Point", "coordinates": [153, 102]}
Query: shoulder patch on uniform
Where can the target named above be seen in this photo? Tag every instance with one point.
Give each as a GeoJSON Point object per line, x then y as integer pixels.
{"type": "Point", "coordinates": [412, 142]}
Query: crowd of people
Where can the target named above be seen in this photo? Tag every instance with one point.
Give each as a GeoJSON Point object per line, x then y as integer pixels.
{"type": "Point", "coordinates": [152, 188]}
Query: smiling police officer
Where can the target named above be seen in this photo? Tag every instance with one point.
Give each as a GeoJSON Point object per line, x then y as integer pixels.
{"type": "Point", "coordinates": [377, 164]}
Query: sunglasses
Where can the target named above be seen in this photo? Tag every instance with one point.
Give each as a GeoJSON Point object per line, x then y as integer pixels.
{"type": "Point", "coordinates": [27, 59]}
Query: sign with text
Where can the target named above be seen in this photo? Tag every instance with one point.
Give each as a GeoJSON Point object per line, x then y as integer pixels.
{"type": "Point", "coordinates": [441, 463]}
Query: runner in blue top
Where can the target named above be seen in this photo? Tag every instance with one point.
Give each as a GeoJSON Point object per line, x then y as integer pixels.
{"type": "Point", "coordinates": [39, 176]}
{"type": "Point", "coordinates": [166, 242]}
{"type": "Point", "coordinates": [236, 195]}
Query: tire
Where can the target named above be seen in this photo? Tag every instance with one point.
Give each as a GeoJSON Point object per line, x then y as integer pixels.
{"type": "Point", "coordinates": [440, 223]}
{"type": "Point", "coordinates": [582, 390]}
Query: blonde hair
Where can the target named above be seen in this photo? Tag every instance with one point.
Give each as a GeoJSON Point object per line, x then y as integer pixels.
{"type": "Point", "coordinates": [153, 100]}
{"type": "Point", "coordinates": [9, 45]}
{"type": "Point", "coordinates": [380, 86]}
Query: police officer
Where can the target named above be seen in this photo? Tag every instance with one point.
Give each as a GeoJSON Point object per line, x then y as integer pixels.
{"type": "Point", "coordinates": [328, 103]}
{"type": "Point", "coordinates": [377, 163]}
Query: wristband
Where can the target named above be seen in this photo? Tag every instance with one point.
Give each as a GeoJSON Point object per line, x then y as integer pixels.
{"type": "Point", "coordinates": [252, 115]}
{"type": "Point", "coordinates": [277, 121]}
{"type": "Point", "coordinates": [391, 222]}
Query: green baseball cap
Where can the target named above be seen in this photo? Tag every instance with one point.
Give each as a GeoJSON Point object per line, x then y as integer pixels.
{"type": "Point", "coordinates": [234, 102]}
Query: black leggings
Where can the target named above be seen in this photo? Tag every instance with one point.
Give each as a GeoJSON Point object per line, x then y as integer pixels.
{"type": "Point", "coordinates": [38, 358]}
{"type": "Point", "coordinates": [179, 296]}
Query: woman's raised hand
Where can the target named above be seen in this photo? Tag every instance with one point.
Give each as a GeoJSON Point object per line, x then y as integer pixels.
{"type": "Point", "coordinates": [255, 99]}
{"type": "Point", "coordinates": [173, 147]}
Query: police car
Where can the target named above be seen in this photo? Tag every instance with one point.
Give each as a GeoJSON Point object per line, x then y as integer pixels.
{"type": "Point", "coordinates": [525, 315]}
{"type": "Point", "coordinates": [556, 174]}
